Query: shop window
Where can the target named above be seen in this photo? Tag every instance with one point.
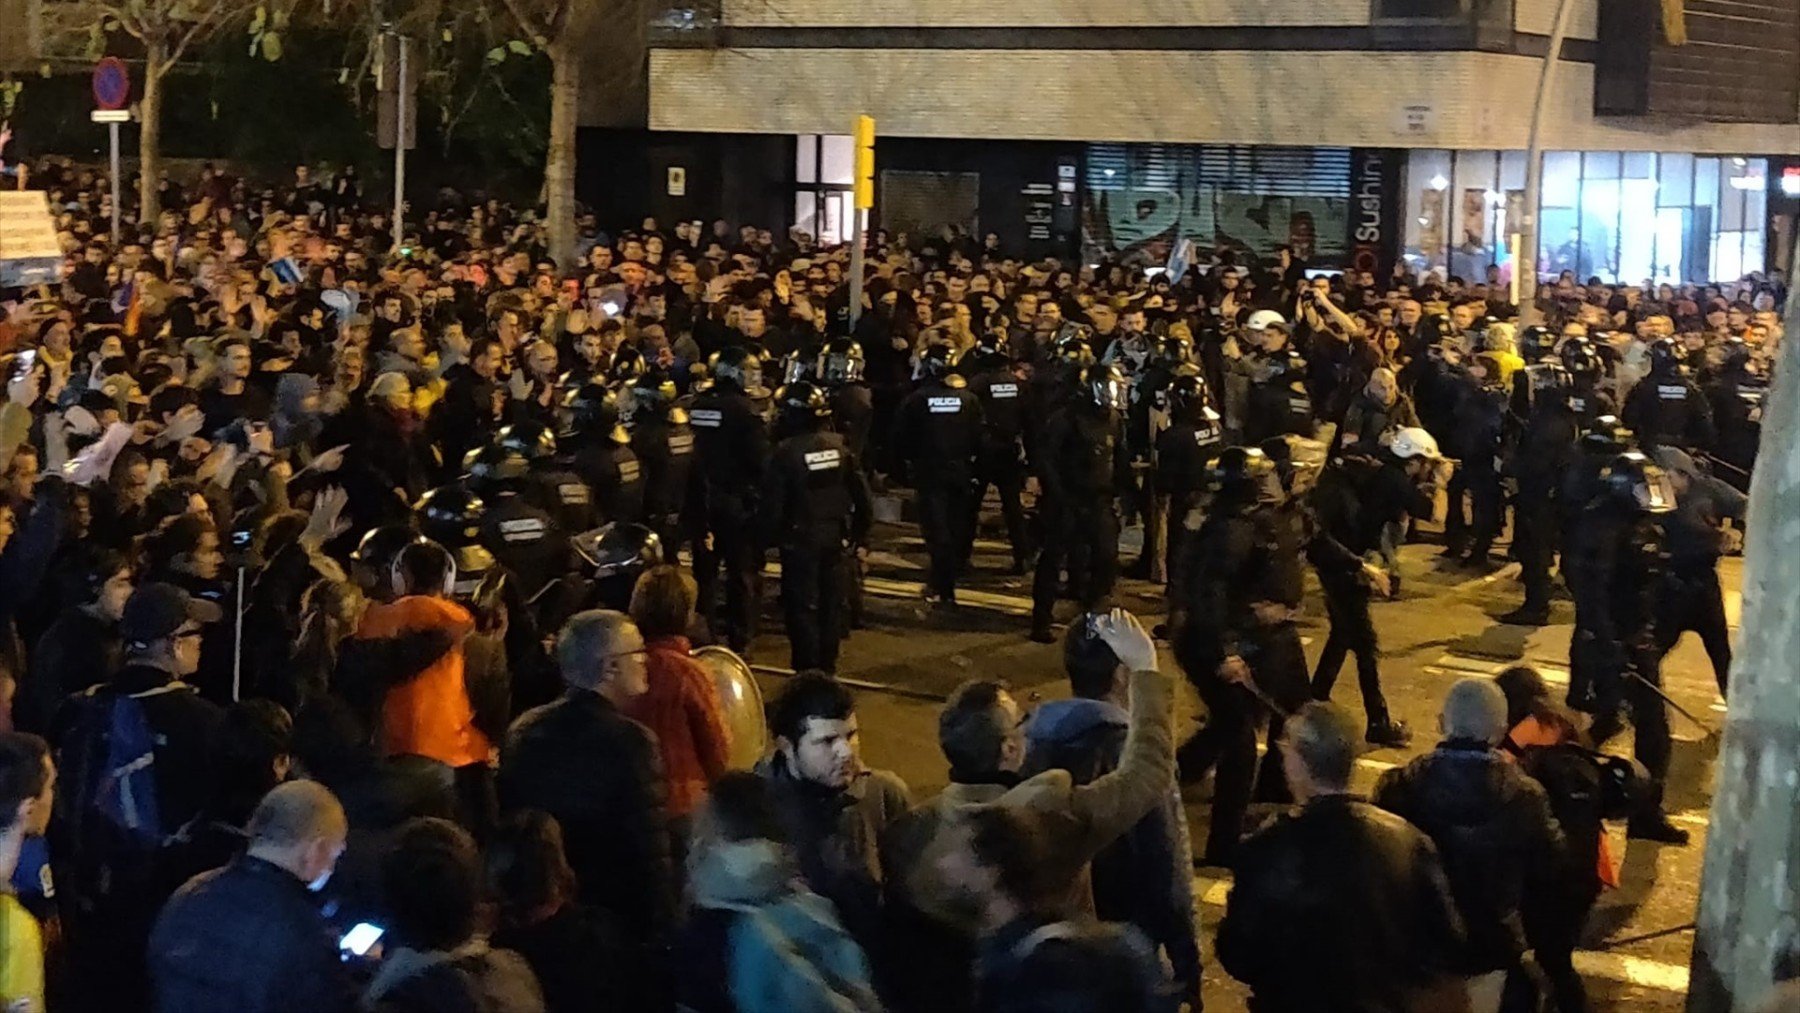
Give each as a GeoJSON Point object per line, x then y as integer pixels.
{"type": "Point", "coordinates": [824, 171]}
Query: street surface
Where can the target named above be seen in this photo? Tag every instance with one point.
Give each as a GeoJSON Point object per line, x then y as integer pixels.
{"type": "Point", "coordinates": [1441, 629]}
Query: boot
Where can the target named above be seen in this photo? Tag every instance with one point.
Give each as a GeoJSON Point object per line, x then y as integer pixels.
{"type": "Point", "coordinates": [1656, 827]}
{"type": "Point", "coordinates": [1390, 733]}
{"type": "Point", "coordinates": [1042, 635]}
{"type": "Point", "coordinates": [1528, 614]}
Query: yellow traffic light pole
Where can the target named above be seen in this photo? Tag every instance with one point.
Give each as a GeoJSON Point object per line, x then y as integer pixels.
{"type": "Point", "coordinates": [864, 134]}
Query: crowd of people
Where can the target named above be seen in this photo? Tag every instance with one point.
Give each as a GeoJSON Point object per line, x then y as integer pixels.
{"type": "Point", "coordinates": [349, 593]}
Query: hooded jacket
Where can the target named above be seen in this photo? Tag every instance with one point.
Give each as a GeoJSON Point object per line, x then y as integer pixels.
{"type": "Point", "coordinates": [774, 945]}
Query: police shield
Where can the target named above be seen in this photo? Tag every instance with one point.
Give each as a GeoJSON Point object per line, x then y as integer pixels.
{"type": "Point", "coordinates": [742, 702]}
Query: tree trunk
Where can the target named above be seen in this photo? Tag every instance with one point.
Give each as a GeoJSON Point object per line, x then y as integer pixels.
{"type": "Point", "coordinates": [1749, 919]}
{"type": "Point", "coordinates": [559, 160]}
{"type": "Point", "coordinates": [156, 64]}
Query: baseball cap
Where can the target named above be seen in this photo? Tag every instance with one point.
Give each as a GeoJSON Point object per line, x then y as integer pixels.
{"type": "Point", "coordinates": [154, 611]}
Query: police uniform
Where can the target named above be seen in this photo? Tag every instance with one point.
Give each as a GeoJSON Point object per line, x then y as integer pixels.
{"type": "Point", "coordinates": [526, 540]}
{"type": "Point", "coordinates": [1666, 409]}
{"type": "Point", "coordinates": [614, 478]}
{"type": "Point", "coordinates": [938, 432]}
{"type": "Point", "coordinates": [1277, 402]}
{"type": "Point", "coordinates": [555, 489]}
{"type": "Point", "coordinates": [1002, 459]}
{"type": "Point", "coordinates": [664, 444]}
{"type": "Point", "coordinates": [815, 506]}
{"type": "Point", "coordinates": [1736, 398]}
{"type": "Point", "coordinates": [1085, 464]}
{"type": "Point", "coordinates": [1182, 453]}
{"type": "Point", "coordinates": [1545, 445]}
{"type": "Point", "coordinates": [731, 452]}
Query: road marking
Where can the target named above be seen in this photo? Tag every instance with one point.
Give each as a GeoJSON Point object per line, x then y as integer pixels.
{"type": "Point", "coordinates": [1463, 665]}
{"type": "Point", "coordinates": [1509, 570]}
{"type": "Point", "coordinates": [1215, 892]}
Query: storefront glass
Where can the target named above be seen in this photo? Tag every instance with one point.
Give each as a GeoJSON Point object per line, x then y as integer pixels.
{"type": "Point", "coordinates": [1620, 216]}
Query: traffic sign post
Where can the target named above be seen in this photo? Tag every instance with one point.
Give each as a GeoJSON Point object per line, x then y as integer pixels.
{"type": "Point", "coordinates": [112, 93]}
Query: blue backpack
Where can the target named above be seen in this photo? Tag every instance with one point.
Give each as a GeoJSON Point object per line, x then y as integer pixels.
{"type": "Point", "coordinates": [109, 808]}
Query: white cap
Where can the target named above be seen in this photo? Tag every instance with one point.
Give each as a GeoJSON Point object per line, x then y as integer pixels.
{"type": "Point", "coordinates": [1411, 442]}
{"type": "Point", "coordinates": [1262, 320]}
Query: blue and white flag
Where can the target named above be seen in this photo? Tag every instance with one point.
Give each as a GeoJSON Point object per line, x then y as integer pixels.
{"type": "Point", "coordinates": [1180, 258]}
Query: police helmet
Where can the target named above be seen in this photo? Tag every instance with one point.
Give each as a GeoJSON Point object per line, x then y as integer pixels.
{"type": "Point", "coordinates": [1076, 351]}
{"type": "Point", "coordinates": [451, 515]}
{"type": "Point", "coordinates": [842, 362]}
{"type": "Point", "coordinates": [1537, 343]}
{"type": "Point", "coordinates": [797, 365]}
{"type": "Point", "coordinates": [1173, 350]}
{"type": "Point", "coordinates": [1633, 480]}
{"type": "Point", "coordinates": [1666, 355]}
{"type": "Point", "coordinates": [619, 550]}
{"type": "Point", "coordinates": [937, 361]}
{"type": "Point", "coordinates": [803, 399]}
{"type": "Point", "coordinates": [533, 440]}
{"type": "Point", "coordinates": [1188, 395]}
{"type": "Point", "coordinates": [738, 365]}
{"type": "Point", "coordinates": [653, 391]}
{"type": "Point", "coordinates": [627, 365]}
{"type": "Point", "coordinates": [989, 351]}
{"type": "Point", "coordinates": [1607, 437]}
{"type": "Point", "coordinates": [494, 467]}
{"type": "Point", "coordinates": [1242, 475]}
{"type": "Point", "coordinates": [378, 546]}
{"type": "Point", "coordinates": [1580, 359]}
{"type": "Point", "coordinates": [1106, 386]}
{"type": "Point", "coordinates": [592, 409]}
{"type": "Point", "coordinates": [1734, 353]}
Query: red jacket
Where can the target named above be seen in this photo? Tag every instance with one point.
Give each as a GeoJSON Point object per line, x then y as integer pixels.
{"type": "Point", "coordinates": [682, 708]}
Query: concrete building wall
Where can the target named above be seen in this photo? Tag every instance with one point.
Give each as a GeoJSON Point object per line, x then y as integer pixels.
{"type": "Point", "coordinates": [1443, 99]}
{"type": "Point", "coordinates": [1041, 13]}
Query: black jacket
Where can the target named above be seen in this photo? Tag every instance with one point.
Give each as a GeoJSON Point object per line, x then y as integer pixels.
{"type": "Point", "coordinates": [1493, 826]}
{"type": "Point", "coordinates": [77, 651]}
{"type": "Point", "coordinates": [1338, 907]}
{"type": "Point", "coordinates": [815, 494]}
{"type": "Point", "coordinates": [246, 938]}
{"type": "Point", "coordinates": [598, 772]}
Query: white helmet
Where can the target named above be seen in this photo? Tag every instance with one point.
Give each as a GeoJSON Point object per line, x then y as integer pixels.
{"type": "Point", "coordinates": [1262, 320]}
{"type": "Point", "coordinates": [1411, 441]}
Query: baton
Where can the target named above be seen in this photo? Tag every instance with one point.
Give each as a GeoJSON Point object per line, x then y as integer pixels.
{"type": "Point", "coordinates": [1711, 732]}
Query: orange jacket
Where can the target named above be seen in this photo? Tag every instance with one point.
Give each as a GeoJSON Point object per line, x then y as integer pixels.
{"type": "Point", "coordinates": [429, 715]}
{"type": "Point", "coordinates": [682, 707]}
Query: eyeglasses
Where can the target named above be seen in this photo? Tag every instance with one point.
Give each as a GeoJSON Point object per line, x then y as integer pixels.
{"type": "Point", "coordinates": [642, 652]}
{"type": "Point", "coordinates": [188, 634]}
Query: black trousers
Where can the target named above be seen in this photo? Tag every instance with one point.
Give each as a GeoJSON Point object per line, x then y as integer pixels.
{"type": "Point", "coordinates": [1693, 600]}
{"type": "Point", "coordinates": [946, 517]}
{"type": "Point", "coordinates": [734, 550]}
{"type": "Point", "coordinates": [812, 603]}
{"type": "Point", "coordinates": [1535, 526]}
{"type": "Point", "coordinates": [1087, 539]}
{"type": "Point", "coordinates": [1001, 468]}
{"type": "Point", "coordinates": [1234, 715]}
{"type": "Point", "coordinates": [1352, 632]}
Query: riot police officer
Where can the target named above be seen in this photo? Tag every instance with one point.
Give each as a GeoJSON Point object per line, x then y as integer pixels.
{"type": "Point", "coordinates": [1542, 448]}
{"type": "Point", "coordinates": [816, 509]}
{"type": "Point", "coordinates": [663, 441]}
{"type": "Point", "coordinates": [1736, 394]}
{"type": "Point", "coordinates": [1619, 551]}
{"type": "Point", "coordinates": [1665, 408]}
{"type": "Point", "coordinates": [1085, 463]}
{"type": "Point", "coordinates": [1537, 343]}
{"type": "Point", "coordinates": [1053, 382]}
{"type": "Point", "coordinates": [525, 539]}
{"type": "Point", "coordinates": [1690, 597]}
{"type": "Point", "coordinates": [1587, 400]}
{"type": "Point", "coordinates": [1146, 417]}
{"type": "Point", "coordinates": [1238, 596]}
{"type": "Point", "coordinates": [1184, 452]}
{"type": "Point", "coordinates": [937, 436]}
{"type": "Point", "coordinates": [1359, 505]}
{"type": "Point", "coordinates": [1276, 402]}
{"type": "Point", "coordinates": [731, 453]}
{"type": "Point", "coordinates": [1480, 422]}
{"type": "Point", "coordinates": [550, 485]}
{"type": "Point", "coordinates": [1001, 463]}
{"type": "Point", "coordinates": [598, 450]}
{"type": "Point", "coordinates": [841, 368]}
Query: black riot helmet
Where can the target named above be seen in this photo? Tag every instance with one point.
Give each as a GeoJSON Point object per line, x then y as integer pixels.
{"type": "Point", "coordinates": [1579, 358]}
{"type": "Point", "coordinates": [1188, 396]}
{"type": "Point", "coordinates": [1105, 386]}
{"type": "Point", "coordinates": [653, 392]}
{"type": "Point", "coordinates": [842, 362]}
{"type": "Point", "coordinates": [619, 553]}
{"type": "Point", "coordinates": [533, 440]}
{"type": "Point", "coordinates": [1635, 482]}
{"type": "Point", "coordinates": [373, 559]}
{"type": "Point", "coordinates": [1607, 437]}
{"type": "Point", "coordinates": [1075, 351]}
{"type": "Point", "coordinates": [1173, 350]}
{"type": "Point", "coordinates": [1666, 355]}
{"type": "Point", "coordinates": [798, 365]}
{"type": "Point", "coordinates": [989, 351]}
{"type": "Point", "coordinates": [937, 361]}
{"type": "Point", "coordinates": [804, 401]}
{"type": "Point", "coordinates": [627, 365]}
{"type": "Point", "coordinates": [1537, 343]}
{"type": "Point", "coordinates": [592, 410]}
{"type": "Point", "coordinates": [451, 515]}
{"type": "Point", "coordinates": [737, 365]}
{"type": "Point", "coordinates": [1734, 353]}
{"type": "Point", "coordinates": [494, 468]}
{"type": "Point", "coordinates": [1240, 476]}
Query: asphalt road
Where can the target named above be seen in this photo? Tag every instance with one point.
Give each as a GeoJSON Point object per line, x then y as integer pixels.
{"type": "Point", "coordinates": [1440, 629]}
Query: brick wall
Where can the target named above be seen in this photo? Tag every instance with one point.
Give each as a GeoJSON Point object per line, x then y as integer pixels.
{"type": "Point", "coordinates": [1475, 100]}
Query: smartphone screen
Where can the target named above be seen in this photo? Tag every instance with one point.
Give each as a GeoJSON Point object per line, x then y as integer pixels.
{"type": "Point", "coordinates": [360, 938]}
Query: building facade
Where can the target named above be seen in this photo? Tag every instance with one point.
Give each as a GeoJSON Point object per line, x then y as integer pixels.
{"type": "Point", "coordinates": [1355, 131]}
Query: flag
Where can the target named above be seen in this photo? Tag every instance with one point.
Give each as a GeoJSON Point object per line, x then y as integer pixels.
{"type": "Point", "coordinates": [1181, 256]}
{"type": "Point", "coordinates": [1674, 22]}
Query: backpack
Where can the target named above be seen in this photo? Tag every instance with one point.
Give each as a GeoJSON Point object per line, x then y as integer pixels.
{"type": "Point", "coordinates": [1075, 966]}
{"type": "Point", "coordinates": [109, 808]}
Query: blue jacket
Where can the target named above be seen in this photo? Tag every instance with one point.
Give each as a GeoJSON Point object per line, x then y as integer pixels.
{"type": "Point", "coordinates": [1145, 877]}
{"type": "Point", "coordinates": [246, 939]}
